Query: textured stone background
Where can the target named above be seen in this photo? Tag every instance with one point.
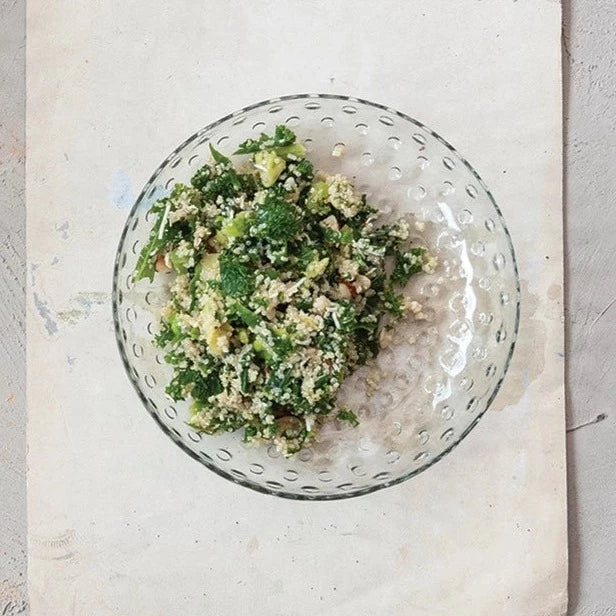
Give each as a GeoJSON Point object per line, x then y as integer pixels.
{"type": "Point", "coordinates": [12, 311]}
{"type": "Point", "coordinates": [590, 224]}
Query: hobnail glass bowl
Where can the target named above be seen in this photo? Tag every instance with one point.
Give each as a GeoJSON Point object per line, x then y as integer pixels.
{"type": "Point", "coordinates": [425, 393]}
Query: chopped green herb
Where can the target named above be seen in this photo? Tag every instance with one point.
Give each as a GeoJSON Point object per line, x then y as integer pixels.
{"type": "Point", "coordinates": [283, 137]}
{"type": "Point", "coordinates": [277, 219]}
{"type": "Point", "coordinates": [348, 415]}
{"type": "Point", "coordinates": [279, 290]}
{"type": "Point", "coordinates": [236, 279]}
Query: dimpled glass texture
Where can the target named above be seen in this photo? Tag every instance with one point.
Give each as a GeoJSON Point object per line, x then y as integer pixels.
{"type": "Point", "coordinates": [425, 392]}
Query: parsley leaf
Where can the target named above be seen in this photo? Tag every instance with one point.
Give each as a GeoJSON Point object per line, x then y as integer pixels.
{"type": "Point", "coordinates": [406, 264]}
{"type": "Point", "coordinates": [305, 169]}
{"type": "Point", "coordinates": [159, 236]}
{"type": "Point", "coordinates": [348, 415]}
{"type": "Point", "coordinates": [206, 386]}
{"type": "Point", "coordinates": [283, 136]}
{"type": "Point", "coordinates": [236, 279]}
{"type": "Point", "coordinates": [201, 386]}
{"type": "Point", "coordinates": [393, 303]}
{"type": "Point", "coordinates": [201, 177]}
{"type": "Point", "coordinates": [276, 218]}
{"type": "Point", "coordinates": [226, 184]}
{"type": "Point", "coordinates": [249, 433]}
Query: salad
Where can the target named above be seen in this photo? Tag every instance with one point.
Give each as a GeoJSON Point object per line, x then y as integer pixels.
{"type": "Point", "coordinates": [282, 283]}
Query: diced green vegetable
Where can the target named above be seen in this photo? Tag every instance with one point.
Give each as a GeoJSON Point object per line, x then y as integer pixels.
{"type": "Point", "coordinates": [238, 226]}
{"type": "Point", "coordinates": [269, 165]}
{"type": "Point", "coordinates": [297, 150]}
{"type": "Point", "coordinates": [210, 267]}
{"type": "Point", "coordinates": [250, 318]}
{"type": "Point", "coordinates": [262, 348]}
{"type": "Point", "coordinates": [317, 198]}
{"type": "Point", "coordinates": [316, 268]}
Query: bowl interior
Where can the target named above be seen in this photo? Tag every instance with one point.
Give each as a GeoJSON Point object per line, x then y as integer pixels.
{"type": "Point", "coordinates": [425, 392]}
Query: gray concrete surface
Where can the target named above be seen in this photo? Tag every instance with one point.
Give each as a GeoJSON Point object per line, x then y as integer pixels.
{"type": "Point", "coordinates": [590, 147]}
{"type": "Point", "coordinates": [589, 55]}
{"type": "Point", "coordinates": [12, 309]}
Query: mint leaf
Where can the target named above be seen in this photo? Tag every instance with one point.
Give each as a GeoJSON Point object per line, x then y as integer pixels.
{"type": "Point", "coordinates": [218, 157]}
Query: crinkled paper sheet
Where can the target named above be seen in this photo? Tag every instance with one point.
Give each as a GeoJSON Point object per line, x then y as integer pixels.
{"type": "Point", "coordinates": [121, 522]}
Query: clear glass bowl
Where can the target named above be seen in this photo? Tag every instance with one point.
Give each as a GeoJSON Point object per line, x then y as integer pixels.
{"type": "Point", "coordinates": [425, 393]}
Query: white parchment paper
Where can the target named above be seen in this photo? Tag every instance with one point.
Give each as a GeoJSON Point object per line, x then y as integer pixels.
{"type": "Point", "coordinates": [121, 522]}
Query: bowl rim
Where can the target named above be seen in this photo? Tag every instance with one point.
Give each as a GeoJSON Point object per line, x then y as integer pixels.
{"type": "Point", "coordinates": [210, 465]}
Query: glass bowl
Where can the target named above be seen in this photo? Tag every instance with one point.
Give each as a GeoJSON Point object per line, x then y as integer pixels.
{"type": "Point", "coordinates": [423, 394]}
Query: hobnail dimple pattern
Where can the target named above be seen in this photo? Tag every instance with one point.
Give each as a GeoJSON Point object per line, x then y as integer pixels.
{"type": "Point", "coordinates": [424, 392]}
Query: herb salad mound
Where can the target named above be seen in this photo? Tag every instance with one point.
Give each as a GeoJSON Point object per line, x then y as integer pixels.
{"type": "Point", "coordinates": [282, 284]}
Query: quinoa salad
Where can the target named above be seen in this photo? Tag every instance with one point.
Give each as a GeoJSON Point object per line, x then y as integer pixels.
{"type": "Point", "coordinates": [282, 283]}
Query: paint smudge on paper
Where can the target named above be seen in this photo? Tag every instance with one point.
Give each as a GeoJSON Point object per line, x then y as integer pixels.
{"type": "Point", "coordinates": [88, 299]}
{"type": "Point", "coordinates": [62, 229]}
{"type": "Point", "coordinates": [70, 316]}
{"type": "Point", "coordinates": [121, 189]}
{"type": "Point", "coordinates": [45, 313]}
{"type": "Point", "coordinates": [82, 305]}
{"type": "Point", "coordinates": [41, 305]}
{"type": "Point", "coordinates": [70, 361]}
